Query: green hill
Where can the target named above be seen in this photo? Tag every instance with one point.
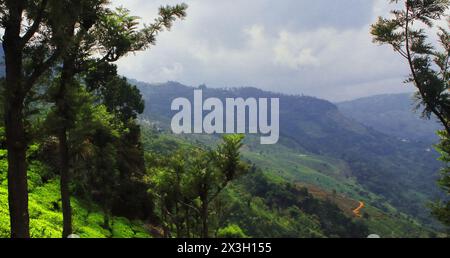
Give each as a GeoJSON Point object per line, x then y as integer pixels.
{"type": "Point", "coordinates": [321, 147]}
{"type": "Point", "coordinates": [45, 209]}
{"type": "Point", "coordinates": [310, 185]}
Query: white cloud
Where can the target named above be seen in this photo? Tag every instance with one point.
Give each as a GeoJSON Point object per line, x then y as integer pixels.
{"type": "Point", "coordinates": [172, 72]}
{"type": "Point", "coordinates": [319, 48]}
{"type": "Point", "coordinates": [293, 52]}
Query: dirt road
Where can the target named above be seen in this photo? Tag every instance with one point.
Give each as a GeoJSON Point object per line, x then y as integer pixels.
{"type": "Point", "coordinates": [357, 211]}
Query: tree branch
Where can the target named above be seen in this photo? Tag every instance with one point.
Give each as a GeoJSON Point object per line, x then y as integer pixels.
{"type": "Point", "coordinates": [41, 68]}
{"type": "Point", "coordinates": [415, 77]}
{"type": "Point", "coordinates": [35, 26]}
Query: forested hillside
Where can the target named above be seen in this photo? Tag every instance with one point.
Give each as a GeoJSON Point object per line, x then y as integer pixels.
{"type": "Point", "coordinates": [281, 197]}
{"type": "Point", "coordinates": [255, 204]}
{"type": "Point", "coordinates": [402, 173]}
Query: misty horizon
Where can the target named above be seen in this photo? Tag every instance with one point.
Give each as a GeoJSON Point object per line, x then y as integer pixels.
{"type": "Point", "coordinates": [290, 48]}
{"type": "Point", "coordinates": [408, 91]}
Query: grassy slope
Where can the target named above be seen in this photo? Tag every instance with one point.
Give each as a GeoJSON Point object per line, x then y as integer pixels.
{"type": "Point", "coordinates": [318, 173]}
{"type": "Point", "coordinates": [321, 175]}
{"type": "Point", "coordinates": [45, 214]}
{"type": "Point", "coordinates": [262, 221]}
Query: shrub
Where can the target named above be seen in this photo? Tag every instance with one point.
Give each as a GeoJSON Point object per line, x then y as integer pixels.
{"type": "Point", "coordinates": [231, 231]}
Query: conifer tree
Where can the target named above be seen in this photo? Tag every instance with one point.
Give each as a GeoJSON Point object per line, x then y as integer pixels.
{"type": "Point", "coordinates": [408, 33]}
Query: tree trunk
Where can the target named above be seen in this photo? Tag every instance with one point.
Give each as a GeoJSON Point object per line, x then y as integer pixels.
{"type": "Point", "coordinates": [17, 171]}
{"type": "Point", "coordinates": [178, 222]}
{"type": "Point", "coordinates": [188, 230]}
{"type": "Point", "coordinates": [61, 104]}
{"type": "Point", "coordinates": [166, 231]}
{"type": "Point", "coordinates": [14, 127]}
{"type": "Point", "coordinates": [106, 220]}
{"type": "Point", "coordinates": [204, 215]}
{"type": "Point", "coordinates": [65, 180]}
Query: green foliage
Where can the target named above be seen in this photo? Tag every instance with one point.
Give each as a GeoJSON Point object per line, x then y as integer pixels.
{"type": "Point", "coordinates": [411, 42]}
{"type": "Point", "coordinates": [228, 157]}
{"type": "Point", "coordinates": [187, 181]}
{"type": "Point", "coordinates": [121, 98]}
{"type": "Point", "coordinates": [45, 210]}
{"type": "Point", "coordinates": [118, 34]}
{"type": "Point", "coordinates": [257, 219]}
{"type": "Point", "coordinates": [231, 231]}
{"type": "Point", "coordinates": [441, 209]}
{"type": "Point", "coordinates": [121, 229]}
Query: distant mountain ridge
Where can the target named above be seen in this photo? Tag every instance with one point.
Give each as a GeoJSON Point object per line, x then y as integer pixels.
{"type": "Point", "coordinates": [392, 114]}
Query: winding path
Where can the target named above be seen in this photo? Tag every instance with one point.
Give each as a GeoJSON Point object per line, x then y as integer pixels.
{"type": "Point", "coordinates": [357, 211]}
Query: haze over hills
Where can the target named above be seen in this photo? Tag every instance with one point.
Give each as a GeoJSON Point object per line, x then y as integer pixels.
{"type": "Point", "coordinates": [392, 114]}
{"type": "Point", "coordinates": [321, 146]}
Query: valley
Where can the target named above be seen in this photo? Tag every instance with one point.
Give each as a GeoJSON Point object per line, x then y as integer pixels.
{"type": "Point", "coordinates": [319, 158]}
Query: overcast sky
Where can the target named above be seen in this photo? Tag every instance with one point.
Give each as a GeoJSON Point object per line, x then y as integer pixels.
{"type": "Point", "coordinates": [321, 48]}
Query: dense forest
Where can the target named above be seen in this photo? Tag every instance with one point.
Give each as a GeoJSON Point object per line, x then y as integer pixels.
{"type": "Point", "coordinates": [85, 151]}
